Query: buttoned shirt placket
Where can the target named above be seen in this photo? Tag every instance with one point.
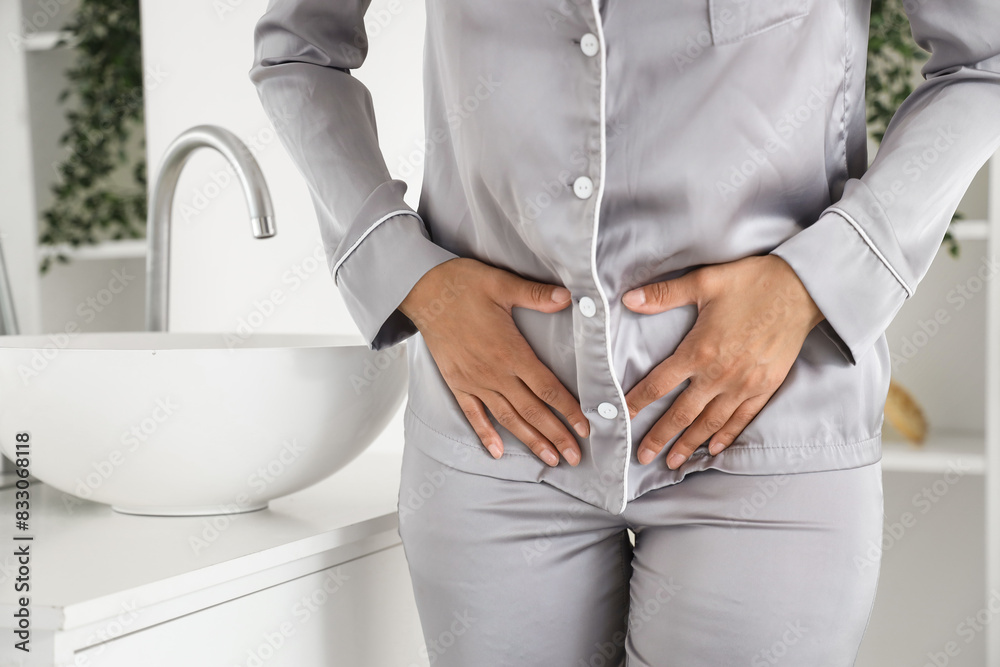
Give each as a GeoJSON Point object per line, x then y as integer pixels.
{"type": "Point", "coordinates": [594, 46]}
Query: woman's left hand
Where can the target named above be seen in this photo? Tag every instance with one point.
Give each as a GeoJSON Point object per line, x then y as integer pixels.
{"type": "Point", "coordinates": [753, 316]}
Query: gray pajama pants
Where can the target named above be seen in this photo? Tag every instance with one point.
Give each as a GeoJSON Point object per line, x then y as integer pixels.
{"type": "Point", "coordinates": [754, 570]}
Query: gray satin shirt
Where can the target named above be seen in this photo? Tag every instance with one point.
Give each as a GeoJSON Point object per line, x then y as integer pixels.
{"type": "Point", "coordinates": [607, 145]}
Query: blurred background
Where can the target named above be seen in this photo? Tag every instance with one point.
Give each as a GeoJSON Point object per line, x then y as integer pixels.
{"type": "Point", "coordinates": [95, 90]}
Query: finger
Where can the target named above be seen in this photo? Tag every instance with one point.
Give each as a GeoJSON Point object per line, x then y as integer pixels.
{"type": "Point", "coordinates": [546, 386]}
{"type": "Point", "coordinates": [513, 290]}
{"type": "Point", "coordinates": [475, 412]}
{"type": "Point", "coordinates": [664, 295]}
{"type": "Point", "coordinates": [534, 411]}
{"type": "Point", "coordinates": [681, 414]}
{"type": "Point", "coordinates": [660, 381]}
{"type": "Point", "coordinates": [715, 415]}
{"type": "Point", "coordinates": [511, 419]}
{"type": "Point", "coordinates": [740, 419]}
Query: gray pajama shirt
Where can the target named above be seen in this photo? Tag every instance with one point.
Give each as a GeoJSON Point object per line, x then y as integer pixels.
{"type": "Point", "coordinates": [606, 144]}
{"type": "Point", "coordinates": [607, 147]}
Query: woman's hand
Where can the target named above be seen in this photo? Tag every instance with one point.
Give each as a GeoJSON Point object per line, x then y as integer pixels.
{"type": "Point", "coordinates": [753, 316]}
{"type": "Point", "coordinates": [462, 307]}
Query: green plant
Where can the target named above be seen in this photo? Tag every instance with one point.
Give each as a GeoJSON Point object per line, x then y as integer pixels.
{"type": "Point", "coordinates": [93, 201]}
{"type": "Point", "coordinates": [893, 57]}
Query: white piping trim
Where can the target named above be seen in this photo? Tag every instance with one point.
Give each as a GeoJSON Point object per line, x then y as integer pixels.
{"type": "Point", "coordinates": [336, 267]}
{"type": "Point", "coordinates": [593, 251]}
{"type": "Point", "coordinates": [871, 244]}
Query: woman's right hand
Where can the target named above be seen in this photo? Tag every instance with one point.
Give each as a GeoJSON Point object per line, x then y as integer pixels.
{"type": "Point", "coordinates": [462, 307]}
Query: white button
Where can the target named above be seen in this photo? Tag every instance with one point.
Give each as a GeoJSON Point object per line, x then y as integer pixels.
{"type": "Point", "coordinates": [583, 187]}
{"type": "Point", "coordinates": [607, 410]}
{"type": "Point", "coordinates": [587, 306]}
{"type": "Point", "coordinates": [590, 45]}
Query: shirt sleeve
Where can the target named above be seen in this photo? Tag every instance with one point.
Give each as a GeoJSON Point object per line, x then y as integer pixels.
{"type": "Point", "coordinates": [866, 253]}
{"type": "Point", "coordinates": [377, 247]}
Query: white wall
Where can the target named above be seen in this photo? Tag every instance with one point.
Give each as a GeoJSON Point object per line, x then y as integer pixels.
{"type": "Point", "coordinates": [17, 224]}
{"type": "Point", "coordinates": [197, 58]}
{"type": "Point", "coordinates": [219, 270]}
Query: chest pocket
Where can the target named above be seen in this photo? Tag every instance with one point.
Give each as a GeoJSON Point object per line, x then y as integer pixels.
{"type": "Point", "coordinates": [734, 20]}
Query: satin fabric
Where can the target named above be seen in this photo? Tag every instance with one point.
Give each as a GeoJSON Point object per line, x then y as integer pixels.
{"type": "Point", "coordinates": [726, 570]}
{"type": "Point", "coordinates": [709, 130]}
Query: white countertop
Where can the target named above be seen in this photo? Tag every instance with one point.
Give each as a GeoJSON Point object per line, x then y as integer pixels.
{"type": "Point", "coordinates": [90, 564]}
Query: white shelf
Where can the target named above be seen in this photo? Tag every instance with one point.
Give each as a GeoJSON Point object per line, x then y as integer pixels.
{"type": "Point", "coordinates": [126, 249]}
{"type": "Point", "coordinates": [939, 453]}
{"type": "Point", "coordinates": [970, 230]}
{"type": "Point", "coordinates": [44, 40]}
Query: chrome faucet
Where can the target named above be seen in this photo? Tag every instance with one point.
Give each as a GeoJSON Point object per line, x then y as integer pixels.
{"type": "Point", "coordinates": [162, 200]}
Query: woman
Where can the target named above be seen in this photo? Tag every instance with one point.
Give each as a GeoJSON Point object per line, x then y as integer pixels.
{"type": "Point", "coordinates": [648, 245]}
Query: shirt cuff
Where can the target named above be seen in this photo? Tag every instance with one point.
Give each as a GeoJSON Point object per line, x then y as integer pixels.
{"type": "Point", "coordinates": [376, 266]}
{"type": "Point", "coordinates": [856, 288]}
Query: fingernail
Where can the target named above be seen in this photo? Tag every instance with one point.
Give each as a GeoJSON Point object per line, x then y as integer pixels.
{"type": "Point", "coordinates": [645, 456]}
{"type": "Point", "coordinates": [560, 294]}
{"type": "Point", "coordinates": [571, 457]}
{"type": "Point", "coordinates": [582, 428]}
{"type": "Point", "coordinates": [550, 458]}
{"type": "Point", "coordinates": [494, 450]}
{"type": "Point", "coordinates": [715, 448]}
{"type": "Point", "coordinates": [634, 298]}
{"type": "Point", "coordinates": [674, 461]}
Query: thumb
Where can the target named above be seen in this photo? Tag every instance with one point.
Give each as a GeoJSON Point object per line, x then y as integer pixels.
{"type": "Point", "coordinates": [662, 296]}
{"type": "Point", "coordinates": [516, 291]}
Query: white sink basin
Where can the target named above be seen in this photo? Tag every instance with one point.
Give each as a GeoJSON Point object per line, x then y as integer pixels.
{"type": "Point", "coordinates": [188, 423]}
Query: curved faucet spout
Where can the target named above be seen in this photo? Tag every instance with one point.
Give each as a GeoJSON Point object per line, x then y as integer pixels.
{"type": "Point", "coordinates": [162, 201]}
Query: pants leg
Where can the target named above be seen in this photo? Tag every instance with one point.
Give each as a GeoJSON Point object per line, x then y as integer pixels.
{"type": "Point", "coordinates": [511, 573]}
{"type": "Point", "coordinates": [755, 570]}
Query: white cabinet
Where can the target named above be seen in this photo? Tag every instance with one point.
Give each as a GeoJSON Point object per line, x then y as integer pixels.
{"type": "Point", "coordinates": [352, 614]}
{"type": "Point", "coordinates": [318, 578]}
